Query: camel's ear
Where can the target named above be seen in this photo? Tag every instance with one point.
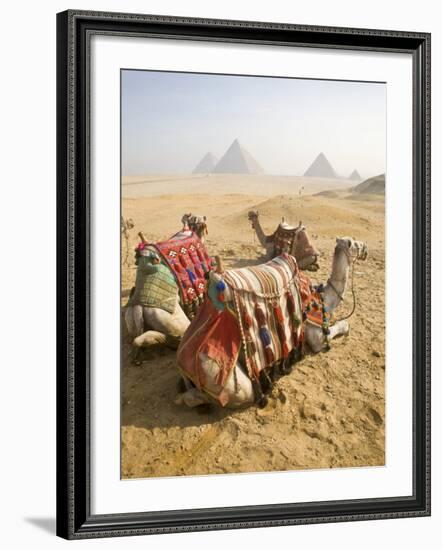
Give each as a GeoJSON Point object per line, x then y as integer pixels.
{"type": "Point", "coordinates": [204, 218]}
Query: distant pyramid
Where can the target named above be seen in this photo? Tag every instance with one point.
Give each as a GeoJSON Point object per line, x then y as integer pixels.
{"type": "Point", "coordinates": [355, 176]}
{"type": "Point", "coordinates": [236, 160]}
{"type": "Point", "coordinates": [206, 164]}
{"type": "Point", "coordinates": [320, 168]}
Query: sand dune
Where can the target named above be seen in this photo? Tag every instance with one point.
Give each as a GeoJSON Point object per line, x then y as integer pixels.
{"type": "Point", "coordinates": [220, 184]}
{"type": "Point", "coordinates": [329, 412]}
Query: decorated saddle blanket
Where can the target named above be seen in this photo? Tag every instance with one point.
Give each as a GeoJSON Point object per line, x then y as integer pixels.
{"type": "Point", "coordinates": [292, 240]}
{"type": "Point", "coordinates": [186, 256]}
{"type": "Point", "coordinates": [256, 309]}
{"type": "Point", "coordinates": [155, 286]}
{"type": "Point", "coordinates": [312, 300]}
{"type": "Point", "coordinates": [213, 333]}
{"type": "Point", "coordinates": [268, 308]}
{"type": "Point", "coordinates": [284, 239]}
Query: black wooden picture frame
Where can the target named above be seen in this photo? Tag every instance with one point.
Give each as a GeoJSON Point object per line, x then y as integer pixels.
{"type": "Point", "coordinates": [74, 518]}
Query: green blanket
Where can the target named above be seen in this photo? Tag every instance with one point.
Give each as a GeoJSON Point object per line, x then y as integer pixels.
{"type": "Point", "coordinates": [155, 286]}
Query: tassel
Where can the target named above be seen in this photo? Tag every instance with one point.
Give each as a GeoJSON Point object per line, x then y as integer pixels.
{"type": "Point", "coordinates": [178, 267]}
{"type": "Point", "coordinates": [281, 332]}
{"type": "Point", "coordinates": [248, 321]}
{"type": "Point", "coordinates": [260, 315]}
{"type": "Point", "coordinates": [203, 265]}
{"type": "Point", "coordinates": [221, 297]}
{"type": "Point", "coordinates": [251, 347]}
{"type": "Point", "coordinates": [285, 349]}
{"type": "Point", "coordinates": [192, 275]}
{"type": "Point", "coordinates": [254, 369]}
{"type": "Point", "coordinates": [269, 355]}
{"type": "Point", "coordinates": [265, 381]}
{"type": "Point", "coordinates": [220, 286]}
{"type": "Point", "coordinates": [291, 303]}
{"type": "Point", "coordinates": [183, 260]}
{"type": "Point", "coordinates": [278, 314]}
{"type": "Point", "coordinates": [199, 272]}
{"type": "Point", "coordinates": [200, 254]}
{"type": "Point", "coordinates": [265, 336]}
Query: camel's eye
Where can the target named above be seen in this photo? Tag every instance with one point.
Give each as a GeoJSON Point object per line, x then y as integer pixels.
{"type": "Point", "coordinates": [349, 244]}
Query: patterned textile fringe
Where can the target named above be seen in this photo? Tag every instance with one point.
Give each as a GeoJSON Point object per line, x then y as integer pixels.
{"type": "Point", "coordinates": [268, 310]}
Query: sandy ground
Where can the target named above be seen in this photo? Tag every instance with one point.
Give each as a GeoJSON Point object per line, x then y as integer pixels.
{"type": "Point", "coordinates": [333, 412]}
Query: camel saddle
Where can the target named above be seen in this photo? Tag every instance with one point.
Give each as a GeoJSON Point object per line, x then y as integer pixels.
{"type": "Point", "coordinates": [254, 310]}
{"type": "Point", "coordinates": [187, 258]}
{"type": "Point", "coordinates": [292, 240]}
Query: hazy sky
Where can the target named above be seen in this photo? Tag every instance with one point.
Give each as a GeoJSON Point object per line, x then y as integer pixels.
{"type": "Point", "coordinates": [171, 120]}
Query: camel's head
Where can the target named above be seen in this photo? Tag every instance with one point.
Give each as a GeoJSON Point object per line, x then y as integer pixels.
{"type": "Point", "coordinates": [295, 240]}
{"type": "Point", "coordinates": [252, 216]}
{"type": "Point", "coordinates": [304, 250]}
{"type": "Point", "coordinates": [355, 250]}
{"type": "Point", "coordinates": [197, 224]}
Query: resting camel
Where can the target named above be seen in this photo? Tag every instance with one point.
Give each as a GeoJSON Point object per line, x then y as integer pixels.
{"type": "Point", "coordinates": [291, 239]}
{"type": "Point", "coordinates": [195, 224]}
{"type": "Point", "coordinates": [204, 376]}
{"type": "Point", "coordinates": [170, 284]}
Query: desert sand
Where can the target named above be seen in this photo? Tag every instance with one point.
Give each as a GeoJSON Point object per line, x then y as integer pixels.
{"type": "Point", "coordinates": [330, 411]}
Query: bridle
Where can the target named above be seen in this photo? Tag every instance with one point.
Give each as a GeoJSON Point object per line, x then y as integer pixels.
{"type": "Point", "coordinates": [362, 254]}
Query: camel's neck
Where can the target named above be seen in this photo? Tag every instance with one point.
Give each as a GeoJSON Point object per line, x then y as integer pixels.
{"type": "Point", "coordinates": [201, 234]}
{"type": "Point", "coordinates": [336, 286]}
{"type": "Point", "coordinates": [260, 233]}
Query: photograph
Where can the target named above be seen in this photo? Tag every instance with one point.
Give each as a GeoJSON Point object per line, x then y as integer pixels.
{"type": "Point", "coordinates": [253, 270]}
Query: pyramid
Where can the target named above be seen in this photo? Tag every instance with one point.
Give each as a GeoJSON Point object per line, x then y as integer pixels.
{"type": "Point", "coordinates": [206, 164]}
{"type": "Point", "coordinates": [320, 168]}
{"type": "Point", "coordinates": [355, 176]}
{"type": "Point", "coordinates": [236, 160]}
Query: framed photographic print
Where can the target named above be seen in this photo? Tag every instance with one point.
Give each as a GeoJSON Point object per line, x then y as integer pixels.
{"type": "Point", "coordinates": [243, 274]}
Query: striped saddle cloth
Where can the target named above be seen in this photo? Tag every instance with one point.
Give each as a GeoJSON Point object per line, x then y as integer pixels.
{"type": "Point", "coordinates": [268, 309]}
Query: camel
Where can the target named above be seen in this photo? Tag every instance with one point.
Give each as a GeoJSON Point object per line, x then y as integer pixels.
{"type": "Point", "coordinates": [291, 239]}
{"type": "Point", "coordinates": [195, 224]}
{"type": "Point", "coordinates": [164, 326]}
{"type": "Point", "coordinates": [240, 389]}
{"type": "Point", "coordinates": [169, 287]}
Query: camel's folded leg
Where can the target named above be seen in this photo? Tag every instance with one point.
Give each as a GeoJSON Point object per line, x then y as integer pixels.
{"type": "Point", "coordinates": [149, 338]}
{"type": "Point", "coordinates": [339, 329]}
{"type": "Point", "coordinates": [134, 320]}
{"type": "Point", "coordinates": [145, 340]}
{"type": "Point", "coordinates": [191, 398]}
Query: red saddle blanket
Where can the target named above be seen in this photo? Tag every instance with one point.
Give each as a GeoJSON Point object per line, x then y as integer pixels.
{"type": "Point", "coordinates": [214, 334]}
{"type": "Point", "coordinates": [188, 260]}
